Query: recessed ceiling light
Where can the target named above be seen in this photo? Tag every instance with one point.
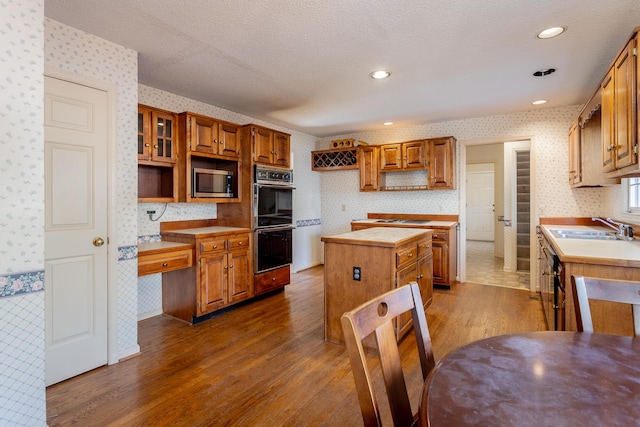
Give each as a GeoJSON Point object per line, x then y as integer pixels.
{"type": "Point", "coordinates": [539, 102]}
{"type": "Point", "coordinates": [380, 74]}
{"type": "Point", "coordinates": [551, 32]}
{"type": "Point", "coordinates": [546, 72]}
{"type": "Point", "coordinates": [387, 123]}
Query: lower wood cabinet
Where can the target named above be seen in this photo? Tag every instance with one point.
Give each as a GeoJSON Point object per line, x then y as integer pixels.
{"type": "Point", "coordinates": [222, 274]}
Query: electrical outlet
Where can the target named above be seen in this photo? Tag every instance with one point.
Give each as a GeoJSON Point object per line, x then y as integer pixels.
{"type": "Point", "coordinates": [151, 212]}
{"type": "Point", "coordinates": [357, 273]}
{"type": "Point", "coordinates": [344, 208]}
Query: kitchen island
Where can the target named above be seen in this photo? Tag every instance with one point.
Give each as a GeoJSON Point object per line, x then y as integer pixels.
{"type": "Point", "coordinates": [363, 264]}
{"type": "Point", "coordinates": [444, 239]}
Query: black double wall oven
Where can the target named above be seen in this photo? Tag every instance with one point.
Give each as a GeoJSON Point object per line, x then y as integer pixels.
{"type": "Point", "coordinates": [272, 217]}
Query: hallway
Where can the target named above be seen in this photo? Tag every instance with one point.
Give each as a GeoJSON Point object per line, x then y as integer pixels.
{"type": "Point", "coordinates": [484, 268]}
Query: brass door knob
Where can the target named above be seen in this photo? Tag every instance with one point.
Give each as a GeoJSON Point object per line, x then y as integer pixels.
{"type": "Point", "coordinates": [98, 241]}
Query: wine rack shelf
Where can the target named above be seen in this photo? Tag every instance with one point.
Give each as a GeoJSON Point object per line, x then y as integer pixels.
{"type": "Point", "coordinates": [337, 159]}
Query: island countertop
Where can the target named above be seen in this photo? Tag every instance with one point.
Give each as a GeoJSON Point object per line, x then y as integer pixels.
{"type": "Point", "coordinates": [378, 236]}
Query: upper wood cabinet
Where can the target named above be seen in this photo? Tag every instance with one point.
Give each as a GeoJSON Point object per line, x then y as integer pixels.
{"type": "Point", "coordinates": [269, 146]}
{"type": "Point", "coordinates": [368, 161]}
{"type": "Point", "coordinates": [157, 154]}
{"type": "Point", "coordinates": [620, 113]}
{"type": "Point", "coordinates": [442, 161]}
{"type": "Point", "coordinates": [210, 136]}
{"type": "Point", "coordinates": [585, 147]}
{"type": "Point", "coordinates": [403, 156]}
{"type": "Point", "coordinates": [156, 135]}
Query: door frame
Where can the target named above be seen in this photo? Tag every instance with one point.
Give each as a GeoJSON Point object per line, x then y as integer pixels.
{"type": "Point", "coordinates": [111, 89]}
{"type": "Point", "coordinates": [462, 235]}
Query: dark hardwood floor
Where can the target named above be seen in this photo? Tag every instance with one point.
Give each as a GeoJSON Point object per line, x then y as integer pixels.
{"type": "Point", "coordinates": [266, 363]}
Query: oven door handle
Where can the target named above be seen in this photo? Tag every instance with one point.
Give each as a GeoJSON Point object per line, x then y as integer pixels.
{"type": "Point", "coordinates": [270, 229]}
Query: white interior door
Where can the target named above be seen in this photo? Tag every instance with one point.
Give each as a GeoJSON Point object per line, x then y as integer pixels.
{"type": "Point", "coordinates": [75, 229]}
{"type": "Point", "coordinates": [480, 202]}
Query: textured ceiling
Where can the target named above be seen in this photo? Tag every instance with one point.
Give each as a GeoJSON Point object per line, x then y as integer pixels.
{"type": "Point", "coordinates": [304, 64]}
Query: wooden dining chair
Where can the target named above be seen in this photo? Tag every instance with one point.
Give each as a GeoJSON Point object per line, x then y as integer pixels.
{"type": "Point", "coordinates": [375, 317]}
{"type": "Point", "coordinates": [586, 288]}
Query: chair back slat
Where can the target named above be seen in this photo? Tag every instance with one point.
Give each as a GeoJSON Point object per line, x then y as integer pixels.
{"type": "Point", "coordinates": [586, 288]}
{"type": "Point", "coordinates": [376, 317]}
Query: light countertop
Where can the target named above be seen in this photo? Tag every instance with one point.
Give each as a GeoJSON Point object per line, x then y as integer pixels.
{"type": "Point", "coordinates": [206, 231]}
{"type": "Point", "coordinates": [416, 224]}
{"type": "Point", "coordinates": [382, 236]}
{"type": "Point", "coordinates": [606, 252]}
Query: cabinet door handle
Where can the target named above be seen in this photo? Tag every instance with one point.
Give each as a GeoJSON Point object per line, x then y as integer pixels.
{"type": "Point", "coordinates": [146, 145]}
{"type": "Point", "coordinates": [410, 254]}
{"type": "Point", "coordinates": [164, 264]}
{"type": "Point", "coordinates": [231, 266]}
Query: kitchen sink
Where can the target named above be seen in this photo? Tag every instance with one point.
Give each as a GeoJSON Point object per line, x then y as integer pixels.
{"type": "Point", "coordinates": [584, 234]}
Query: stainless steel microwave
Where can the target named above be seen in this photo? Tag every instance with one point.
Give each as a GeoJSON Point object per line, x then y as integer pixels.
{"type": "Point", "coordinates": [212, 183]}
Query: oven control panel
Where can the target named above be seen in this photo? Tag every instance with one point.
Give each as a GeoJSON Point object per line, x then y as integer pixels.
{"type": "Point", "coordinates": [273, 176]}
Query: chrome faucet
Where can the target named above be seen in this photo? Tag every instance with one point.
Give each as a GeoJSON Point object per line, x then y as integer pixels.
{"type": "Point", "coordinates": [623, 231]}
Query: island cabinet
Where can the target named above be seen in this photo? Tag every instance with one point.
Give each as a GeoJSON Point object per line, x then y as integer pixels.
{"type": "Point", "coordinates": [444, 239]}
{"type": "Point", "coordinates": [363, 264]}
{"type": "Point", "coordinates": [221, 275]}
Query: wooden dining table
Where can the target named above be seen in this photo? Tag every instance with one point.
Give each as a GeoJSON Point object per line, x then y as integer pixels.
{"type": "Point", "coordinates": [536, 379]}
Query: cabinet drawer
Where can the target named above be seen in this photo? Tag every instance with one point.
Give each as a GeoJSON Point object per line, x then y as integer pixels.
{"type": "Point", "coordinates": [440, 235]}
{"type": "Point", "coordinates": [424, 248]}
{"type": "Point", "coordinates": [161, 263]}
{"type": "Point", "coordinates": [406, 255]}
{"type": "Point", "coordinates": [271, 280]}
{"type": "Point", "coordinates": [238, 242]}
{"type": "Point", "coordinates": [212, 245]}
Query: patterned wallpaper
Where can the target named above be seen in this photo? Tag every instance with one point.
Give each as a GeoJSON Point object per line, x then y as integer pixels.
{"type": "Point", "coordinates": [22, 323]}
{"type": "Point", "coordinates": [69, 49]}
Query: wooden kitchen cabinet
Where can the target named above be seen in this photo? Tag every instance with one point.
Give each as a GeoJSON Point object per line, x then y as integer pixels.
{"type": "Point", "coordinates": [210, 136]}
{"type": "Point", "coordinates": [207, 143]}
{"type": "Point", "coordinates": [369, 174]}
{"type": "Point", "coordinates": [269, 147]}
{"type": "Point", "coordinates": [575, 163]}
{"type": "Point", "coordinates": [442, 162]}
{"type": "Point", "coordinates": [403, 156]}
{"type": "Point", "coordinates": [162, 257]}
{"type": "Point", "coordinates": [222, 274]}
{"type": "Point", "coordinates": [380, 259]}
{"type": "Point", "coordinates": [157, 174]}
{"type": "Point", "coordinates": [156, 135]}
{"type": "Point", "coordinates": [619, 94]}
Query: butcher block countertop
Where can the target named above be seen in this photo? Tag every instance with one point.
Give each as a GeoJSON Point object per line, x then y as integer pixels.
{"type": "Point", "coordinates": [378, 236]}
{"type": "Point", "coordinates": [407, 223]}
{"type": "Point", "coordinates": [201, 232]}
{"type": "Point", "coordinates": [604, 252]}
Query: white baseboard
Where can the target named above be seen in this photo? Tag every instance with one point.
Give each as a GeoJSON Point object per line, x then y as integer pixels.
{"type": "Point", "coordinates": [299, 269]}
{"type": "Point", "coordinates": [148, 314]}
{"type": "Point", "coordinates": [128, 352]}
